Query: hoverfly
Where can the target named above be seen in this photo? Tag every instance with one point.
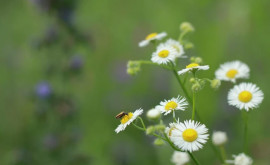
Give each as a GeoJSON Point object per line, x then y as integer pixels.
{"type": "Point", "coordinates": [120, 115]}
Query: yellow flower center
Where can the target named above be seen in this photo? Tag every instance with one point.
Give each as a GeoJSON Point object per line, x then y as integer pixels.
{"type": "Point", "coordinates": [126, 118]}
{"type": "Point", "coordinates": [190, 135]}
{"type": "Point", "coordinates": [245, 96]}
{"type": "Point", "coordinates": [231, 73]}
{"type": "Point", "coordinates": [170, 105]}
{"type": "Point", "coordinates": [150, 36]}
{"type": "Point", "coordinates": [192, 65]}
{"type": "Point", "coordinates": [163, 53]}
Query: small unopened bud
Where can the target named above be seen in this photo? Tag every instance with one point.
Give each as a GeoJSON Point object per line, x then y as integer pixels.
{"type": "Point", "coordinates": [219, 138]}
{"type": "Point", "coordinates": [160, 127]}
{"type": "Point", "coordinates": [153, 114]}
{"type": "Point", "coordinates": [189, 45]}
{"type": "Point", "coordinates": [133, 67]}
{"type": "Point", "coordinates": [215, 83]}
{"type": "Point", "coordinates": [186, 27]}
{"type": "Point", "coordinates": [196, 87]}
{"type": "Point", "coordinates": [201, 82]}
{"type": "Point", "coordinates": [150, 130]}
{"type": "Point", "coordinates": [192, 80]}
{"type": "Point", "coordinates": [180, 158]}
{"type": "Point", "coordinates": [192, 59]}
{"type": "Point", "coordinates": [159, 142]}
{"type": "Point", "coordinates": [198, 60]}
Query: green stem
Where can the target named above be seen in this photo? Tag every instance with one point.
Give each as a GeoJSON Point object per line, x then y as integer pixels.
{"type": "Point", "coordinates": [245, 116]}
{"type": "Point", "coordinates": [181, 85]}
{"type": "Point", "coordinates": [180, 39]}
{"type": "Point", "coordinates": [143, 129]}
{"type": "Point", "coordinates": [223, 154]}
{"type": "Point", "coordinates": [159, 136]}
{"type": "Point", "coordinates": [170, 143]}
{"type": "Point", "coordinates": [174, 119]}
{"type": "Point", "coordinates": [177, 149]}
{"type": "Point", "coordinates": [193, 158]}
{"type": "Point", "coordinates": [142, 122]}
{"type": "Point", "coordinates": [185, 79]}
{"type": "Point", "coordinates": [193, 110]}
{"type": "Point", "coordinates": [194, 99]}
{"type": "Point", "coordinates": [184, 89]}
{"type": "Point", "coordinates": [218, 154]}
{"type": "Point", "coordinates": [140, 128]}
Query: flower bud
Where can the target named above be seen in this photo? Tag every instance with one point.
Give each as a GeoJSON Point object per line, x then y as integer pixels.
{"type": "Point", "coordinates": [215, 83]}
{"type": "Point", "coordinates": [192, 80]}
{"type": "Point", "coordinates": [159, 142]}
{"type": "Point", "coordinates": [133, 67]}
{"type": "Point", "coordinates": [196, 87]}
{"type": "Point", "coordinates": [160, 127]}
{"type": "Point", "coordinates": [189, 45]}
{"type": "Point", "coordinates": [192, 59]}
{"type": "Point", "coordinates": [153, 114]}
{"type": "Point", "coordinates": [150, 130]}
{"type": "Point", "coordinates": [201, 82]}
{"type": "Point", "coordinates": [186, 27]}
{"type": "Point", "coordinates": [180, 158]}
{"type": "Point", "coordinates": [219, 138]}
{"type": "Point", "coordinates": [198, 60]}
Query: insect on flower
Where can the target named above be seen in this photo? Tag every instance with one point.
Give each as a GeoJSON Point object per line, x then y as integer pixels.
{"type": "Point", "coordinates": [120, 115]}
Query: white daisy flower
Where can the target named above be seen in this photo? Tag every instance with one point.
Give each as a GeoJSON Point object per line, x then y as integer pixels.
{"type": "Point", "coordinates": [153, 114]}
{"type": "Point", "coordinates": [127, 118]}
{"type": "Point", "coordinates": [240, 159]}
{"type": "Point", "coordinates": [164, 54]}
{"type": "Point", "coordinates": [168, 130]}
{"type": "Point", "coordinates": [230, 71]}
{"type": "Point", "coordinates": [180, 158]}
{"type": "Point", "coordinates": [177, 46]}
{"type": "Point", "coordinates": [151, 37]}
{"type": "Point", "coordinates": [167, 106]}
{"type": "Point", "coordinates": [189, 136]}
{"type": "Point", "coordinates": [193, 67]}
{"type": "Point", "coordinates": [245, 96]}
{"type": "Point", "coordinates": [219, 138]}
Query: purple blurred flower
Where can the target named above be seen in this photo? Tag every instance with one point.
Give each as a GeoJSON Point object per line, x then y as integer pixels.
{"type": "Point", "coordinates": [50, 142]}
{"type": "Point", "coordinates": [76, 62]}
{"type": "Point", "coordinates": [43, 90]}
{"type": "Point", "coordinates": [42, 4]}
{"type": "Point", "coordinates": [22, 156]}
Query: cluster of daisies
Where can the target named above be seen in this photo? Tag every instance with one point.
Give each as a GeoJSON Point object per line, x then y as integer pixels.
{"type": "Point", "coordinates": [244, 96]}
{"type": "Point", "coordinates": [190, 135]}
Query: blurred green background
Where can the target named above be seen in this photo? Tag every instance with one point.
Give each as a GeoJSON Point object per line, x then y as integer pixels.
{"type": "Point", "coordinates": [38, 44]}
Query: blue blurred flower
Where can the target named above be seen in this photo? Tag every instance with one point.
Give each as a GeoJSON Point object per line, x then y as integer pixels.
{"type": "Point", "coordinates": [43, 90]}
{"type": "Point", "coordinates": [66, 15]}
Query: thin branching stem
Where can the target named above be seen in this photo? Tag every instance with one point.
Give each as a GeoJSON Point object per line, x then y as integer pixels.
{"type": "Point", "coordinates": [193, 110]}
{"type": "Point", "coordinates": [194, 100]}
{"type": "Point", "coordinates": [245, 116]}
{"type": "Point", "coordinates": [181, 84]}
{"type": "Point", "coordinates": [142, 122]}
{"type": "Point", "coordinates": [193, 158]}
{"type": "Point", "coordinates": [223, 154]}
